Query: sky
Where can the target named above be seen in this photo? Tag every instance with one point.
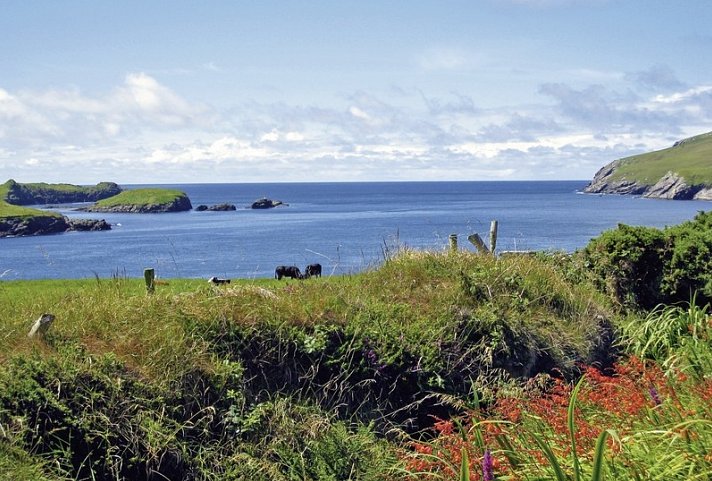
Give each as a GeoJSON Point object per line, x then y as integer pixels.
{"type": "Point", "coordinates": [166, 92]}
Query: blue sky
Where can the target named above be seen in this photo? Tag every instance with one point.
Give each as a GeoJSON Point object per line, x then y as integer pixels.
{"type": "Point", "coordinates": [243, 91]}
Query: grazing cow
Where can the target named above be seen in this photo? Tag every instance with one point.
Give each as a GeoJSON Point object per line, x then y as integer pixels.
{"type": "Point", "coordinates": [217, 281]}
{"type": "Point", "coordinates": [312, 270]}
{"type": "Point", "coordinates": [288, 271]}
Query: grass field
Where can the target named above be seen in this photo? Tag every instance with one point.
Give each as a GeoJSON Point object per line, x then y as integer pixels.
{"type": "Point", "coordinates": [692, 160]}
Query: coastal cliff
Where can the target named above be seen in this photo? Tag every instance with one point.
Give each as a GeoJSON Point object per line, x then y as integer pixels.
{"type": "Point", "coordinates": [680, 172]}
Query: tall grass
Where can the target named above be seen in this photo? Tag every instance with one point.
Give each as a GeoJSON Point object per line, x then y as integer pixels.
{"type": "Point", "coordinates": [645, 419]}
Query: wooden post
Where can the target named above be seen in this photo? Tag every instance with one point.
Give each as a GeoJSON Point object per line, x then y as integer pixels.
{"type": "Point", "coordinates": [477, 241]}
{"type": "Point", "coordinates": [493, 237]}
{"type": "Point", "coordinates": [453, 242]}
{"type": "Point", "coordinates": [149, 275]}
{"type": "Point", "coordinates": [41, 325]}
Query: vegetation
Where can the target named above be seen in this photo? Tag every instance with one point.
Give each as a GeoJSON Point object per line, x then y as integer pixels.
{"type": "Point", "coordinates": [42, 193]}
{"type": "Point", "coordinates": [433, 366]}
{"type": "Point", "coordinates": [12, 211]}
{"type": "Point", "coordinates": [144, 200]}
{"type": "Point", "coordinates": [690, 159]}
{"type": "Point", "coordinates": [641, 267]}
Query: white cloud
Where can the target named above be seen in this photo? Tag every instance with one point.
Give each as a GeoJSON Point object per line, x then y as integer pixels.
{"type": "Point", "coordinates": [358, 113]}
{"type": "Point", "coordinates": [143, 131]}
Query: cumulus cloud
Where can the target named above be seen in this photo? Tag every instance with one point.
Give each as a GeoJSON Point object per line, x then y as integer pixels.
{"type": "Point", "coordinates": [143, 128]}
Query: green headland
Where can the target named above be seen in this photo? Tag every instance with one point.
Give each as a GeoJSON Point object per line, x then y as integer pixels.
{"type": "Point", "coordinates": [682, 171]}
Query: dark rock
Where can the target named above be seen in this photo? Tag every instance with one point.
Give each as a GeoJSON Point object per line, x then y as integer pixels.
{"type": "Point", "coordinates": [30, 226]}
{"type": "Point", "coordinates": [84, 225]}
{"type": "Point", "coordinates": [46, 225]}
{"type": "Point", "coordinates": [602, 183]}
{"type": "Point", "coordinates": [265, 203]}
{"type": "Point", "coordinates": [216, 207]}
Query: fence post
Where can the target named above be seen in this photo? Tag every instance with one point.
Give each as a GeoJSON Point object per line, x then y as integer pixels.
{"type": "Point", "coordinates": [453, 242]}
{"type": "Point", "coordinates": [477, 241]}
{"type": "Point", "coordinates": [149, 275]}
{"type": "Point", "coordinates": [493, 237]}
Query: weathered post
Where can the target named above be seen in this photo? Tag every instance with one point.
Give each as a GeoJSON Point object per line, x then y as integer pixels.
{"type": "Point", "coordinates": [149, 275]}
{"type": "Point", "coordinates": [453, 242]}
{"type": "Point", "coordinates": [41, 325]}
{"type": "Point", "coordinates": [477, 241]}
{"type": "Point", "coordinates": [493, 237]}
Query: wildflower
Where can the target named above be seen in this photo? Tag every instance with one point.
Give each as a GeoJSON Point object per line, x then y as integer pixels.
{"type": "Point", "coordinates": [655, 396]}
{"type": "Point", "coordinates": [487, 466]}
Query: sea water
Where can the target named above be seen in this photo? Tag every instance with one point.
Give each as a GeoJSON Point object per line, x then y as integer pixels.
{"type": "Point", "coordinates": [346, 227]}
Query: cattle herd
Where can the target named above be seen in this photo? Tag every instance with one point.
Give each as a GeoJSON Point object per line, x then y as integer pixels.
{"type": "Point", "coordinates": [312, 270]}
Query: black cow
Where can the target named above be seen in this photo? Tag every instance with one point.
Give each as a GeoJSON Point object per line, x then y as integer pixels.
{"type": "Point", "coordinates": [217, 280]}
{"type": "Point", "coordinates": [288, 271]}
{"type": "Point", "coordinates": [312, 270]}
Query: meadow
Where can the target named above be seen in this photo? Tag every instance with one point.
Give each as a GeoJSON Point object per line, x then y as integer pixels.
{"type": "Point", "coordinates": [434, 365]}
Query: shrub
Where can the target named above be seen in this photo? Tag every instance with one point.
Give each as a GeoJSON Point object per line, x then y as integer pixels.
{"type": "Point", "coordinates": [641, 267]}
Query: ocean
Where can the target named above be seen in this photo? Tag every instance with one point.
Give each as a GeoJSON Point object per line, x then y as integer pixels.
{"type": "Point", "coordinates": [346, 227]}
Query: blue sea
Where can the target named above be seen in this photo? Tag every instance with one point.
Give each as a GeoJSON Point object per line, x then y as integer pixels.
{"type": "Point", "coordinates": [346, 227]}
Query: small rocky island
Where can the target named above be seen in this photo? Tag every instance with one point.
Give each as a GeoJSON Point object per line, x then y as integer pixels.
{"type": "Point", "coordinates": [680, 172]}
{"type": "Point", "coordinates": [265, 203]}
{"type": "Point", "coordinates": [143, 201]}
{"type": "Point", "coordinates": [215, 208]}
{"type": "Point", "coordinates": [17, 220]}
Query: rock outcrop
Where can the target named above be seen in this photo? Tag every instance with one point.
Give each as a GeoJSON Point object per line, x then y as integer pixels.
{"type": "Point", "coordinates": [46, 224]}
{"type": "Point", "coordinates": [265, 203]}
{"type": "Point", "coordinates": [671, 186]}
{"type": "Point", "coordinates": [216, 207]}
{"type": "Point", "coordinates": [84, 225]}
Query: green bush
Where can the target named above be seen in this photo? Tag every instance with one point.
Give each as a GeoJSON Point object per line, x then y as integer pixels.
{"type": "Point", "coordinates": [641, 267]}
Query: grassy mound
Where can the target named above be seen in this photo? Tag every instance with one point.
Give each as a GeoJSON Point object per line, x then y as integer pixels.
{"type": "Point", "coordinates": [144, 200]}
{"type": "Point", "coordinates": [275, 380]}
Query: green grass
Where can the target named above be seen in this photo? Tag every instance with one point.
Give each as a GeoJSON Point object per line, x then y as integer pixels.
{"type": "Point", "coordinates": [141, 197]}
{"type": "Point", "coordinates": [692, 160]}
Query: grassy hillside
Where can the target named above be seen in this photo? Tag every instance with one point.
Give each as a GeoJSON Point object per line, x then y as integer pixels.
{"type": "Point", "coordinates": [141, 197]}
{"type": "Point", "coordinates": [432, 366]}
{"type": "Point", "coordinates": [144, 200]}
{"type": "Point", "coordinates": [43, 193]}
{"type": "Point", "coordinates": [692, 160]}
{"type": "Point", "coordinates": [9, 210]}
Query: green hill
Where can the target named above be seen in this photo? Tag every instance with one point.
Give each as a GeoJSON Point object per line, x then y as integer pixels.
{"type": "Point", "coordinates": [144, 200]}
{"type": "Point", "coordinates": [690, 158]}
{"type": "Point", "coordinates": [682, 171]}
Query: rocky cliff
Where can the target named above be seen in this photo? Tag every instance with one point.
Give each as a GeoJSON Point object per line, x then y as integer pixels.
{"type": "Point", "coordinates": [658, 174]}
